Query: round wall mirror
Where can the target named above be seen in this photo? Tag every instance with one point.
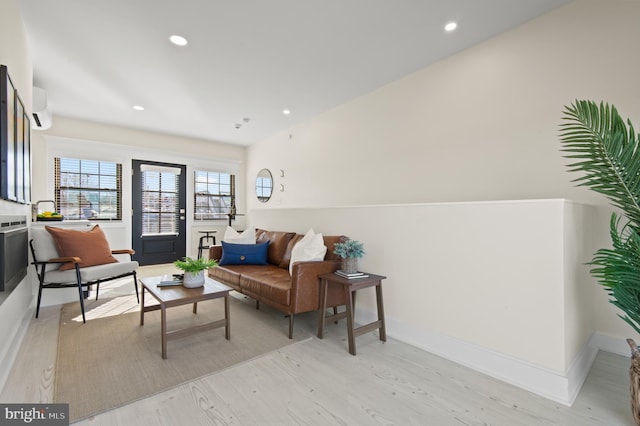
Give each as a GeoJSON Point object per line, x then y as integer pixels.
{"type": "Point", "coordinates": [264, 185]}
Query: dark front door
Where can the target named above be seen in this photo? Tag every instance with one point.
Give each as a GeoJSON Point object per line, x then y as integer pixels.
{"type": "Point", "coordinates": [159, 212]}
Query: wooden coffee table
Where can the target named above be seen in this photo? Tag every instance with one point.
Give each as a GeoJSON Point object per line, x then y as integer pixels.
{"type": "Point", "coordinates": [179, 295]}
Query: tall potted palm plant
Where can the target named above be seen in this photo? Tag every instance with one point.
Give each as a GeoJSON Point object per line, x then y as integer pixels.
{"type": "Point", "coordinates": [605, 149]}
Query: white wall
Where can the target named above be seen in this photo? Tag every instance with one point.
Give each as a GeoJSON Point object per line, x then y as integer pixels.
{"type": "Point", "coordinates": [482, 283]}
{"type": "Point", "coordinates": [17, 309]}
{"type": "Point", "coordinates": [578, 247]}
{"type": "Point", "coordinates": [481, 125]}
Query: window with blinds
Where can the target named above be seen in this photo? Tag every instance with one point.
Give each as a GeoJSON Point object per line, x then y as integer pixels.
{"type": "Point", "coordinates": [160, 199]}
{"type": "Point", "coordinates": [88, 189]}
{"type": "Point", "coordinates": [214, 195]}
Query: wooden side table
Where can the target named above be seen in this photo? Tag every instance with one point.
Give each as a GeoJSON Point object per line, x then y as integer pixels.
{"type": "Point", "coordinates": [350, 286]}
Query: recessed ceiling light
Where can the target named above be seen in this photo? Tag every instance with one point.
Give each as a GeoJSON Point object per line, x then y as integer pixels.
{"type": "Point", "coordinates": [178, 40]}
{"type": "Point", "coordinates": [138, 108]}
{"type": "Point", "coordinates": [286, 111]}
{"type": "Point", "coordinates": [450, 26]}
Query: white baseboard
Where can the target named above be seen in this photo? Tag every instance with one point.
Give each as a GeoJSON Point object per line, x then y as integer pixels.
{"type": "Point", "coordinates": [559, 387]}
{"type": "Point", "coordinates": [608, 343]}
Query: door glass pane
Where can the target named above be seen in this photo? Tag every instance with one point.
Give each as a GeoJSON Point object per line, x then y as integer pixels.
{"type": "Point", "coordinates": [169, 203]}
{"type": "Point", "coordinates": [168, 224]}
{"type": "Point", "coordinates": [160, 201]}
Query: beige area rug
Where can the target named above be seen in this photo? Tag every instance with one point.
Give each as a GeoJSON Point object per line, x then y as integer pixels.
{"type": "Point", "coordinates": [112, 360]}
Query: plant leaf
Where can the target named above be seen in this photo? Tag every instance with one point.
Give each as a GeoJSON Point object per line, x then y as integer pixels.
{"type": "Point", "coordinates": [618, 271]}
{"type": "Point", "coordinates": [607, 148]}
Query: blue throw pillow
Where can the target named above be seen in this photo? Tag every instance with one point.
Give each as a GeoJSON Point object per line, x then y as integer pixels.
{"type": "Point", "coordinates": [244, 254]}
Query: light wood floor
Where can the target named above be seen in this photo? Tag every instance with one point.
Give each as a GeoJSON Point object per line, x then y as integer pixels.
{"type": "Point", "coordinates": [316, 382]}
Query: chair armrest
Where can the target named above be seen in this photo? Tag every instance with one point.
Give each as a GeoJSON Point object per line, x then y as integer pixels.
{"type": "Point", "coordinates": [63, 260]}
{"type": "Point", "coordinates": [215, 252]}
{"type": "Point", "coordinates": [124, 251]}
{"type": "Point", "coordinates": [305, 287]}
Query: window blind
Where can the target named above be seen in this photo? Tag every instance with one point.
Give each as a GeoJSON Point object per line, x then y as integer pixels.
{"type": "Point", "coordinates": [160, 202]}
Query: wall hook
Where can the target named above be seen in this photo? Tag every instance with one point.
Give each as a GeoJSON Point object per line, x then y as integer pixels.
{"type": "Point", "coordinates": [281, 173]}
{"type": "Point", "coordinates": [281, 188]}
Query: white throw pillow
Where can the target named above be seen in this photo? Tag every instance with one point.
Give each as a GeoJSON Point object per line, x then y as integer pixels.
{"type": "Point", "coordinates": [248, 236]}
{"type": "Point", "coordinates": [310, 247]}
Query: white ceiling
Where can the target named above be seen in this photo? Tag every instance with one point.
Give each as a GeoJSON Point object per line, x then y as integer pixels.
{"type": "Point", "coordinates": [245, 58]}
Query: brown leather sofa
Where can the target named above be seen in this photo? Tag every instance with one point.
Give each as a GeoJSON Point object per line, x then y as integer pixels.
{"type": "Point", "coordinates": [272, 284]}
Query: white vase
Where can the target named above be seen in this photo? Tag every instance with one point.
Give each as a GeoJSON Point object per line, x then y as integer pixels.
{"type": "Point", "coordinates": [193, 279]}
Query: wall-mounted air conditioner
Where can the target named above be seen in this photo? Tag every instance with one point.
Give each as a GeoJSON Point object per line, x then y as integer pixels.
{"type": "Point", "coordinates": [41, 114]}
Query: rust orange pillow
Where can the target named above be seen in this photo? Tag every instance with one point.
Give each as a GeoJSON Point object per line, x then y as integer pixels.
{"type": "Point", "coordinates": [90, 246]}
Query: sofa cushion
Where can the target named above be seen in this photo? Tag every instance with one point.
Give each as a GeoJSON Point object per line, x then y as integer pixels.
{"type": "Point", "coordinates": [248, 236]}
{"type": "Point", "coordinates": [310, 247]}
{"type": "Point", "coordinates": [286, 257]}
{"type": "Point", "coordinates": [267, 282]}
{"type": "Point", "coordinates": [329, 241]}
{"type": "Point", "coordinates": [90, 246]}
{"type": "Point", "coordinates": [278, 242]}
{"type": "Point", "coordinates": [229, 274]}
{"type": "Point", "coordinates": [244, 254]}
{"type": "Point", "coordinates": [92, 273]}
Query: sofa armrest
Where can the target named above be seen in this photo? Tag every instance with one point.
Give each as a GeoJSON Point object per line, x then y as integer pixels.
{"type": "Point", "coordinates": [305, 286]}
{"type": "Point", "coordinates": [215, 252]}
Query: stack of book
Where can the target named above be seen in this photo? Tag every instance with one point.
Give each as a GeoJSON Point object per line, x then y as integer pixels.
{"type": "Point", "coordinates": [170, 280]}
{"type": "Point", "coordinates": [351, 275]}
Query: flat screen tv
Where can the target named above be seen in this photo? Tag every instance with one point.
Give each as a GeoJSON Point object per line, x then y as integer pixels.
{"type": "Point", "coordinates": [15, 143]}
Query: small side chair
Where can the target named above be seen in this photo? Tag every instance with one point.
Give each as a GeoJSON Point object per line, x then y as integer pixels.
{"type": "Point", "coordinates": [46, 260]}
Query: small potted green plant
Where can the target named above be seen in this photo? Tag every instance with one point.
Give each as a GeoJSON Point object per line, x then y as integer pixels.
{"type": "Point", "coordinates": [194, 270]}
{"type": "Point", "coordinates": [350, 251]}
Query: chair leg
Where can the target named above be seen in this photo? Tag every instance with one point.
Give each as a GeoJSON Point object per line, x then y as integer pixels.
{"type": "Point", "coordinates": [97, 288]}
{"type": "Point", "coordinates": [290, 326]}
{"type": "Point", "coordinates": [39, 298]}
{"type": "Point", "coordinates": [84, 320]}
{"type": "Point", "coordinates": [257, 304]}
{"type": "Point", "coordinates": [135, 284]}
{"type": "Point", "coordinates": [41, 283]}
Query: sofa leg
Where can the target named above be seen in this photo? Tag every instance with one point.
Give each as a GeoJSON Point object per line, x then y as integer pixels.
{"type": "Point", "coordinates": [290, 326]}
{"type": "Point", "coordinates": [257, 304]}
